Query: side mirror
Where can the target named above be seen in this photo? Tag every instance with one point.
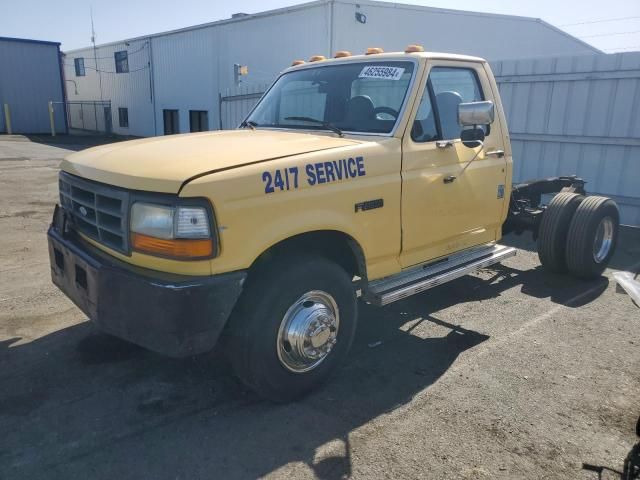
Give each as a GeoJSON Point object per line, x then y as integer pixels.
{"type": "Point", "coordinates": [476, 113]}
{"type": "Point", "coordinates": [472, 137]}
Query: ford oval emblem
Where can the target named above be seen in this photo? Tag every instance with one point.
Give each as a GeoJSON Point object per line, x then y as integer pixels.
{"type": "Point", "coordinates": [83, 211]}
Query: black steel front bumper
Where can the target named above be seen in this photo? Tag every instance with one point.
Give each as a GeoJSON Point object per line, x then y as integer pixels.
{"type": "Point", "coordinates": [171, 314]}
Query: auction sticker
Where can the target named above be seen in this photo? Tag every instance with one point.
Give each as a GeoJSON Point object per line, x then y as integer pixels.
{"type": "Point", "coordinates": [381, 72]}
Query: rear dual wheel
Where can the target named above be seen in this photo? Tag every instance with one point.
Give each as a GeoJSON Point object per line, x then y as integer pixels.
{"type": "Point", "coordinates": [592, 237]}
{"type": "Point", "coordinates": [578, 234]}
{"type": "Point", "coordinates": [554, 227]}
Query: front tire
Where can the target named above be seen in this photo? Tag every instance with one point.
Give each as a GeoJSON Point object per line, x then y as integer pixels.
{"type": "Point", "coordinates": [294, 325]}
{"type": "Point", "coordinates": [592, 237]}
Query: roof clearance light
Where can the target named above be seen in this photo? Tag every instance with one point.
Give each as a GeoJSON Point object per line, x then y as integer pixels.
{"type": "Point", "coordinates": [342, 54]}
{"type": "Point", "coordinates": [297, 62]}
{"type": "Point", "coordinates": [374, 50]}
{"type": "Point", "coordinates": [414, 49]}
{"type": "Point", "coordinates": [317, 58]}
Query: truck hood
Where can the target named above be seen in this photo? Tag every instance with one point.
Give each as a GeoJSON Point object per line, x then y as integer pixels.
{"type": "Point", "coordinates": [164, 164]}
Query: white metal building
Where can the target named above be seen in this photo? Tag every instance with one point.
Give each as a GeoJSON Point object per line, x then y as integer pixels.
{"type": "Point", "coordinates": [172, 81]}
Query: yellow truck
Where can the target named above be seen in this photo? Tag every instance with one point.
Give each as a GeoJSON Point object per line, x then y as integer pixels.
{"type": "Point", "coordinates": [376, 176]}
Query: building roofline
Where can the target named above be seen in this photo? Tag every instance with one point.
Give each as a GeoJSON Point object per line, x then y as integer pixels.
{"type": "Point", "coordinates": [451, 11]}
{"type": "Point", "coordinates": [315, 3]}
{"type": "Point", "coordinates": [29, 40]}
{"type": "Point", "coordinates": [224, 21]}
{"type": "Point", "coordinates": [567, 34]}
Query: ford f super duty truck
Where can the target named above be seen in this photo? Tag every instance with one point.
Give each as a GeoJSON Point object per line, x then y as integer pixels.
{"type": "Point", "coordinates": [376, 176]}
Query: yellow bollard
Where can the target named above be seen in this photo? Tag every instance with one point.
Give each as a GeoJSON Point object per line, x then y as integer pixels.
{"type": "Point", "coordinates": [7, 118]}
{"type": "Point", "coordinates": [53, 125]}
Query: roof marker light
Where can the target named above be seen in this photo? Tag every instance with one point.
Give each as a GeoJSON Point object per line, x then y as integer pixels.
{"type": "Point", "coordinates": [374, 50]}
{"type": "Point", "coordinates": [297, 62]}
{"type": "Point", "coordinates": [317, 58]}
{"type": "Point", "coordinates": [414, 49]}
{"type": "Point", "coordinates": [342, 54]}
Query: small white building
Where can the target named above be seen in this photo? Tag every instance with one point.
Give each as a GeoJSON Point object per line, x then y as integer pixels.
{"type": "Point", "coordinates": [177, 81]}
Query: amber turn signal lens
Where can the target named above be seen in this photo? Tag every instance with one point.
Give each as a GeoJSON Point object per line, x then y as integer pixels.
{"type": "Point", "coordinates": [178, 248]}
{"type": "Point", "coordinates": [414, 49]}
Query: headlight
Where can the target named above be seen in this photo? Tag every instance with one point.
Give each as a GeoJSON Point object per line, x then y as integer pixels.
{"type": "Point", "coordinates": [178, 232]}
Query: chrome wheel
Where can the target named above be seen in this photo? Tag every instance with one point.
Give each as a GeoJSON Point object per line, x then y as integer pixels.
{"type": "Point", "coordinates": [308, 331]}
{"type": "Point", "coordinates": [602, 241]}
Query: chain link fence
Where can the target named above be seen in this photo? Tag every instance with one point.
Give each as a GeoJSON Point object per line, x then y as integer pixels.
{"type": "Point", "coordinates": [87, 116]}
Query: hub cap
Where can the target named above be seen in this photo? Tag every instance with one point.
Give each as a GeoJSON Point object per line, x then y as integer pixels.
{"type": "Point", "coordinates": [308, 331]}
{"type": "Point", "coordinates": [603, 239]}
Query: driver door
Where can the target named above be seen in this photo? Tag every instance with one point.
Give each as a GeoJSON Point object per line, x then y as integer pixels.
{"type": "Point", "coordinates": [445, 207]}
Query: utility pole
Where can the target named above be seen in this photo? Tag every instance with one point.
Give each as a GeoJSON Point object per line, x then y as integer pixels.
{"type": "Point", "coordinates": [95, 53]}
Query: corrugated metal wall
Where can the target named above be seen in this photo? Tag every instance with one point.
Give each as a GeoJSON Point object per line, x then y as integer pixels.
{"type": "Point", "coordinates": [237, 103]}
{"type": "Point", "coordinates": [29, 79]}
{"type": "Point", "coordinates": [101, 82]}
{"type": "Point", "coordinates": [393, 26]}
{"type": "Point", "coordinates": [577, 115]}
{"type": "Point", "coordinates": [192, 67]}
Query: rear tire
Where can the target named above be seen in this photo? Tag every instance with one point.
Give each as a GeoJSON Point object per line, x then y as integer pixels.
{"type": "Point", "coordinates": [592, 237]}
{"type": "Point", "coordinates": [293, 325]}
{"type": "Point", "coordinates": [554, 228]}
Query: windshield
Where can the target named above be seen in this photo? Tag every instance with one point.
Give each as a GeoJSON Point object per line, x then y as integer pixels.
{"type": "Point", "coordinates": [355, 97]}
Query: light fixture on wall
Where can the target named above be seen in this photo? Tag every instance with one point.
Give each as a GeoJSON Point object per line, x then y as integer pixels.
{"type": "Point", "coordinates": [239, 71]}
{"type": "Point", "coordinates": [360, 17]}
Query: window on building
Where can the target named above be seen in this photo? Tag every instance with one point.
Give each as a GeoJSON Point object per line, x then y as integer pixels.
{"type": "Point", "coordinates": [79, 64]}
{"type": "Point", "coordinates": [122, 61]}
{"type": "Point", "coordinates": [171, 125]}
{"type": "Point", "coordinates": [123, 117]}
{"type": "Point", "coordinates": [198, 120]}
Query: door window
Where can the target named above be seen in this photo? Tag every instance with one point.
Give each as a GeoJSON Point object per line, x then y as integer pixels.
{"type": "Point", "coordinates": [447, 88]}
{"type": "Point", "coordinates": [424, 126]}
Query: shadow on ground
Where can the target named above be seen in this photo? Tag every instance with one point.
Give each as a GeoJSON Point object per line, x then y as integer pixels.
{"type": "Point", "coordinates": [68, 142]}
{"type": "Point", "coordinates": [631, 464]}
{"type": "Point", "coordinates": [78, 404]}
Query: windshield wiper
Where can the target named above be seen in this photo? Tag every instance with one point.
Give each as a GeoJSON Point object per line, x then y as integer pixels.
{"type": "Point", "coordinates": [326, 125]}
{"type": "Point", "coordinates": [249, 123]}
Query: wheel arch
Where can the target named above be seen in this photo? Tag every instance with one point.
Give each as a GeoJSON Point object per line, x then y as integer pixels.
{"type": "Point", "coordinates": [335, 245]}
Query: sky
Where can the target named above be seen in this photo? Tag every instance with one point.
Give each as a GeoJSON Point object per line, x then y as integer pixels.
{"type": "Point", "coordinates": [611, 25]}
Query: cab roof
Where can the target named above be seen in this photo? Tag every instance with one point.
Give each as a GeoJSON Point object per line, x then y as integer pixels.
{"type": "Point", "coordinates": [388, 56]}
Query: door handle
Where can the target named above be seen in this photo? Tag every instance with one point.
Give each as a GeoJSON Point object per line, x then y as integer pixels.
{"type": "Point", "coordinates": [495, 153]}
{"type": "Point", "coordinates": [449, 179]}
{"type": "Point", "coordinates": [444, 144]}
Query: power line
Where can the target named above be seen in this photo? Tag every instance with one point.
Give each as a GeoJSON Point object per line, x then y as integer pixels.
{"type": "Point", "coordinates": [598, 21]}
{"type": "Point", "coordinates": [109, 57]}
{"type": "Point", "coordinates": [71, 65]}
{"type": "Point", "coordinates": [609, 34]}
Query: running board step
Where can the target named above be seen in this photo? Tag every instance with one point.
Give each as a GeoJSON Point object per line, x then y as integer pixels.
{"type": "Point", "coordinates": [421, 278]}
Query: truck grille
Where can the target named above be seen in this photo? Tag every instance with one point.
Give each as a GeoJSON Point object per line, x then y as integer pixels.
{"type": "Point", "coordinates": [98, 211]}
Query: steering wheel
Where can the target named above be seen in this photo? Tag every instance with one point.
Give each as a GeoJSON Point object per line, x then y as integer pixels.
{"type": "Point", "coordinates": [387, 110]}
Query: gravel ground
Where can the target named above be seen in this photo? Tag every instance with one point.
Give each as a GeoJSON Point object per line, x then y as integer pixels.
{"type": "Point", "coordinates": [510, 373]}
